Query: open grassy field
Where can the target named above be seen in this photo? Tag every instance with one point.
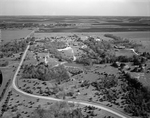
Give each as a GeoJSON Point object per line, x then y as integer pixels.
{"type": "Point", "coordinates": [8, 35]}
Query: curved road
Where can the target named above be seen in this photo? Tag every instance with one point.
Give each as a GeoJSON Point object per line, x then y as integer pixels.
{"type": "Point", "coordinates": [86, 103]}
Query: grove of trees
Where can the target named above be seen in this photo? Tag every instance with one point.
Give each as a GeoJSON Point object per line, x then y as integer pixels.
{"type": "Point", "coordinates": [45, 72]}
{"type": "Point", "coordinates": [58, 110]}
{"type": "Point", "coordinates": [13, 47]}
{"type": "Point", "coordinates": [106, 82]}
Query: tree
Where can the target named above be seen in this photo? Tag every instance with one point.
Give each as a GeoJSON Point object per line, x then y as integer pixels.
{"type": "Point", "coordinates": [58, 110]}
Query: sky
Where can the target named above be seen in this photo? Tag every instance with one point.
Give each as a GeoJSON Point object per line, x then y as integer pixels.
{"type": "Point", "coordinates": [76, 7]}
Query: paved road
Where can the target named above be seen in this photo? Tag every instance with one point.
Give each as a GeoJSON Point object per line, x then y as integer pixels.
{"type": "Point", "coordinates": [30, 34]}
{"type": "Point", "coordinates": [86, 103]}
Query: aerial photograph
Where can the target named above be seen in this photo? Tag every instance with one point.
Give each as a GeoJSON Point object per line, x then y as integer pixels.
{"type": "Point", "coordinates": [74, 58]}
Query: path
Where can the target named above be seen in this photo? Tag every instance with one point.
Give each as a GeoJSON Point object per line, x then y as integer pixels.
{"type": "Point", "coordinates": [133, 50]}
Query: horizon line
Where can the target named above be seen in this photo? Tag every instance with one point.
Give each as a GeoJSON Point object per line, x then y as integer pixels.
{"type": "Point", "coordinates": [78, 15]}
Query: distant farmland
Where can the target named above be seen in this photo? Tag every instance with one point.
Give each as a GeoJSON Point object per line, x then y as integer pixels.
{"type": "Point", "coordinates": [93, 29]}
{"type": "Point", "coordinates": [8, 35]}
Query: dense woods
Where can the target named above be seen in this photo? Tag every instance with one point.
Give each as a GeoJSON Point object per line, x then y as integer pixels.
{"type": "Point", "coordinates": [137, 98]}
{"type": "Point", "coordinates": [45, 73]}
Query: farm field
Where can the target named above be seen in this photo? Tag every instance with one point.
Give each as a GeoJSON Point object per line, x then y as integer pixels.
{"type": "Point", "coordinates": [10, 34]}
